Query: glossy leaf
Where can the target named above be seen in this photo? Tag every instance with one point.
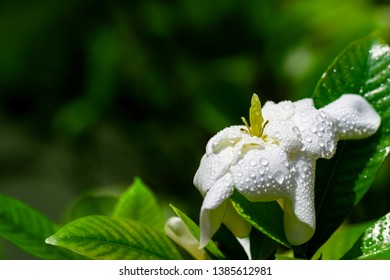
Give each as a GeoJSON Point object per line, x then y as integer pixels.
{"type": "Point", "coordinates": [262, 247]}
{"type": "Point", "coordinates": [267, 217]}
{"type": "Point", "coordinates": [139, 203]}
{"type": "Point", "coordinates": [92, 204]}
{"type": "Point", "coordinates": [362, 68]}
{"type": "Point", "coordinates": [28, 229]}
{"type": "Point", "coordinates": [374, 242]}
{"type": "Point", "coordinates": [113, 238]}
{"type": "Point", "coordinates": [341, 241]}
{"type": "Point", "coordinates": [195, 231]}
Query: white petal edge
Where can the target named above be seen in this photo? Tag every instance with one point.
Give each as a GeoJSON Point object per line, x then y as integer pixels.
{"type": "Point", "coordinates": [355, 116]}
{"type": "Point", "coordinates": [299, 211]}
{"type": "Point", "coordinates": [214, 207]}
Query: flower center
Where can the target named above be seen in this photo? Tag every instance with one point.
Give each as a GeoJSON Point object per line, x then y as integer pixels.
{"type": "Point", "coordinates": [257, 124]}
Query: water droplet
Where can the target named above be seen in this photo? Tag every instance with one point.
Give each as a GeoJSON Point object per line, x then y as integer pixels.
{"type": "Point", "coordinates": [252, 174]}
{"type": "Point", "coordinates": [264, 161]}
{"type": "Point", "coordinates": [308, 139]}
{"type": "Point", "coordinates": [252, 162]}
{"type": "Point", "coordinates": [313, 129]}
{"type": "Point", "coordinates": [247, 179]}
{"type": "Point", "coordinates": [279, 177]}
{"type": "Point", "coordinates": [261, 171]}
{"type": "Point", "coordinates": [285, 163]}
{"type": "Point", "coordinates": [330, 145]}
{"type": "Point", "coordinates": [239, 174]}
{"type": "Point", "coordinates": [320, 118]}
{"type": "Point", "coordinates": [321, 127]}
{"type": "Point", "coordinates": [321, 143]}
{"type": "Point", "coordinates": [295, 129]}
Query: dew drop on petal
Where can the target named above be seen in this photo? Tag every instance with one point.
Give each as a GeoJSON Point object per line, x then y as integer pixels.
{"type": "Point", "coordinates": [313, 129]}
{"type": "Point", "coordinates": [261, 171]}
{"type": "Point", "coordinates": [308, 139]}
{"type": "Point", "coordinates": [264, 161]}
{"type": "Point", "coordinates": [321, 127]}
{"type": "Point", "coordinates": [330, 145]}
{"type": "Point", "coordinates": [279, 177]}
{"type": "Point", "coordinates": [252, 162]}
{"type": "Point", "coordinates": [295, 129]}
{"type": "Point", "coordinates": [320, 118]}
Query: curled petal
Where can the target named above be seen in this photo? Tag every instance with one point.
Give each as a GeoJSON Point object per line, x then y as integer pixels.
{"type": "Point", "coordinates": [299, 211]}
{"type": "Point", "coordinates": [212, 168]}
{"type": "Point", "coordinates": [227, 137]}
{"type": "Point", "coordinates": [214, 207]}
{"type": "Point", "coordinates": [356, 118]}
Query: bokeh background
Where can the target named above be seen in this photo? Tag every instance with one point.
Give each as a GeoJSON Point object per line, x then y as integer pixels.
{"type": "Point", "coordinates": [94, 93]}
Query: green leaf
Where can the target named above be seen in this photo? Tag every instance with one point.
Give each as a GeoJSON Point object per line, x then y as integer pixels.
{"type": "Point", "coordinates": [92, 204]}
{"type": "Point", "coordinates": [28, 229]}
{"type": "Point", "coordinates": [267, 217]}
{"type": "Point", "coordinates": [114, 238]}
{"type": "Point", "coordinates": [374, 243]}
{"type": "Point", "coordinates": [262, 247]}
{"type": "Point", "coordinates": [341, 241]}
{"type": "Point", "coordinates": [195, 231]}
{"type": "Point", "coordinates": [282, 257]}
{"type": "Point", "coordinates": [139, 203]}
{"type": "Point", "coordinates": [362, 68]}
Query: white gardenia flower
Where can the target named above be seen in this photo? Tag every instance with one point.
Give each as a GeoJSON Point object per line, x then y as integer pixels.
{"type": "Point", "coordinates": [274, 159]}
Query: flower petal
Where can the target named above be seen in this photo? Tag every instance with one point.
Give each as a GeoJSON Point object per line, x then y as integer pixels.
{"type": "Point", "coordinates": [262, 174]}
{"type": "Point", "coordinates": [212, 167]}
{"type": "Point", "coordinates": [214, 207]}
{"type": "Point", "coordinates": [317, 132]}
{"type": "Point", "coordinates": [235, 223]}
{"type": "Point", "coordinates": [299, 211]}
{"type": "Point", "coordinates": [356, 118]}
{"type": "Point", "coordinates": [227, 137]}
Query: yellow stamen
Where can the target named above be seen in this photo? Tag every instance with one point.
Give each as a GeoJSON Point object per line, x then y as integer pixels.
{"type": "Point", "coordinates": [255, 116]}
{"type": "Point", "coordinates": [256, 127]}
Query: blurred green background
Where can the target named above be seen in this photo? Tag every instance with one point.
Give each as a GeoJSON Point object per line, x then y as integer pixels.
{"type": "Point", "coordinates": [93, 93]}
